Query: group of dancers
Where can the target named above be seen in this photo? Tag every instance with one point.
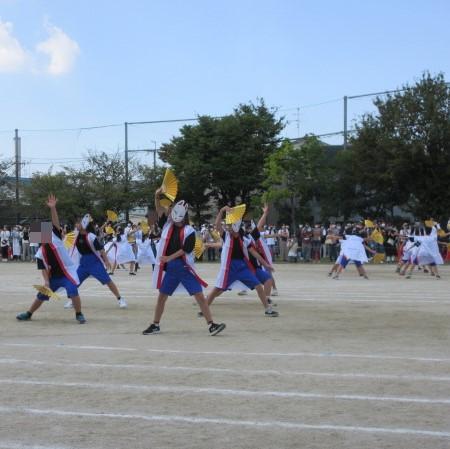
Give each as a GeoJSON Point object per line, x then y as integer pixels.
{"type": "Point", "coordinates": [419, 249]}
{"type": "Point", "coordinates": [66, 263]}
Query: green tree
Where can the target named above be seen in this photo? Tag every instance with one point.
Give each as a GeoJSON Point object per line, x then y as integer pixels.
{"type": "Point", "coordinates": [401, 154]}
{"type": "Point", "coordinates": [222, 159]}
{"type": "Point", "coordinates": [190, 157]}
{"type": "Point", "coordinates": [297, 175]}
{"type": "Point", "coordinates": [70, 201]}
{"type": "Point", "coordinates": [148, 179]}
{"type": "Point", "coordinates": [100, 183]}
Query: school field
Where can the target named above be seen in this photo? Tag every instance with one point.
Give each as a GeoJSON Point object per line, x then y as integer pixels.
{"type": "Point", "coordinates": [352, 363]}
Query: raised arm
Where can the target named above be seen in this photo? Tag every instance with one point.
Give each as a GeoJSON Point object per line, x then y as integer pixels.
{"type": "Point", "coordinates": [51, 203]}
{"type": "Point", "coordinates": [262, 221]}
{"type": "Point", "coordinates": [160, 210]}
{"type": "Point", "coordinates": [218, 223]}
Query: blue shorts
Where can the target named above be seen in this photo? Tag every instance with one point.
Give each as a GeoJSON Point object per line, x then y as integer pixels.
{"type": "Point", "coordinates": [239, 271]}
{"type": "Point", "coordinates": [60, 282]}
{"type": "Point", "coordinates": [91, 266]}
{"type": "Point", "coordinates": [263, 275]}
{"type": "Point", "coordinates": [344, 262]}
{"type": "Point", "coordinates": [178, 273]}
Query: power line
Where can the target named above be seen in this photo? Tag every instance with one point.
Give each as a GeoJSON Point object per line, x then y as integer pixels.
{"type": "Point", "coordinates": [83, 128]}
{"type": "Point", "coordinates": [311, 105]}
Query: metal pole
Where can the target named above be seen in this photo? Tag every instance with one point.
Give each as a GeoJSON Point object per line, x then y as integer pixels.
{"type": "Point", "coordinates": [127, 212]}
{"type": "Point", "coordinates": [345, 122]}
{"type": "Point", "coordinates": [18, 162]}
{"type": "Point", "coordinates": [154, 158]}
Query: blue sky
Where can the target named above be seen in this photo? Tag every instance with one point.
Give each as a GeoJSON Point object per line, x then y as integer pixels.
{"type": "Point", "coordinates": [75, 64]}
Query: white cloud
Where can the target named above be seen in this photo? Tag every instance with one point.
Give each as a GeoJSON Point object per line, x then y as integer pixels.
{"type": "Point", "coordinates": [12, 56]}
{"type": "Point", "coordinates": [61, 50]}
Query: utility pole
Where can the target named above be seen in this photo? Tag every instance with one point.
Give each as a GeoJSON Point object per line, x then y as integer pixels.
{"type": "Point", "coordinates": [127, 211]}
{"type": "Point", "coordinates": [17, 150]}
{"type": "Point", "coordinates": [345, 122]}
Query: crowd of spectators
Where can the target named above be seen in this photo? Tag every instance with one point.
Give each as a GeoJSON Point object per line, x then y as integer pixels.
{"type": "Point", "coordinates": [306, 244]}
{"type": "Point", "coordinates": [313, 243]}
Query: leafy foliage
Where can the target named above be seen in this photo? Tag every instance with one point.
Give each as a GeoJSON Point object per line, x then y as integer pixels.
{"type": "Point", "coordinates": [222, 159]}
{"type": "Point", "coordinates": [297, 175]}
{"type": "Point", "coordinates": [401, 155]}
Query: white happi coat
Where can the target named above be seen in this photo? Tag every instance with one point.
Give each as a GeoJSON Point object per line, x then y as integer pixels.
{"type": "Point", "coordinates": [145, 255]}
{"type": "Point", "coordinates": [125, 253]}
{"type": "Point", "coordinates": [225, 262]}
{"type": "Point", "coordinates": [352, 248]}
{"type": "Point", "coordinates": [428, 251]}
{"type": "Point", "coordinates": [111, 252]}
{"type": "Point", "coordinates": [68, 266]}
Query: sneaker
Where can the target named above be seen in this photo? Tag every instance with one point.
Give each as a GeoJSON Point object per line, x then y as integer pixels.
{"type": "Point", "coordinates": [271, 313]}
{"type": "Point", "coordinates": [397, 270]}
{"type": "Point", "coordinates": [24, 316]}
{"type": "Point", "coordinates": [438, 276]}
{"type": "Point", "coordinates": [80, 318]}
{"type": "Point", "coordinates": [274, 304]}
{"type": "Point", "coordinates": [329, 275]}
{"type": "Point", "coordinates": [122, 303]}
{"type": "Point", "coordinates": [366, 277]}
{"type": "Point", "coordinates": [243, 293]}
{"type": "Point", "coordinates": [68, 304]}
{"type": "Point", "coordinates": [274, 292]}
{"type": "Point", "coordinates": [336, 277]}
{"type": "Point", "coordinates": [200, 314]}
{"type": "Point", "coordinates": [111, 273]}
{"type": "Point", "coordinates": [215, 328]}
{"type": "Point", "coordinates": [152, 329]}
{"type": "Point", "coordinates": [408, 276]}
{"type": "Point", "coordinates": [132, 274]}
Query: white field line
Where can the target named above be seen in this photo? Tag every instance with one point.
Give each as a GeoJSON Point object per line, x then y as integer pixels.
{"type": "Point", "coordinates": [175, 389]}
{"type": "Point", "coordinates": [16, 445]}
{"type": "Point", "coordinates": [235, 353]}
{"type": "Point", "coordinates": [362, 298]}
{"type": "Point", "coordinates": [243, 372]}
{"type": "Point", "coordinates": [285, 425]}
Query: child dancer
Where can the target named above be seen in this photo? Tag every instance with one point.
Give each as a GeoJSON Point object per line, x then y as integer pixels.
{"type": "Point", "coordinates": [235, 269]}
{"type": "Point", "coordinates": [92, 259]}
{"type": "Point", "coordinates": [175, 264]}
{"type": "Point", "coordinates": [57, 268]}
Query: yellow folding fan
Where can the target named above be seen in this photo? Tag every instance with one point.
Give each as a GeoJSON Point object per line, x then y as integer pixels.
{"type": "Point", "coordinates": [165, 202]}
{"type": "Point", "coordinates": [69, 239]}
{"type": "Point", "coordinates": [109, 230]}
{"type": "Point", "coordinates": [46, 291]}
{"type": "Point", "coordinates": [235, 214]}
{"type": "Point", "coordinates": [377, 237]}
{"type": "Point", "coordinates": [170, 185]}
{"type": "Point", "coordinates": [199, 247]}
{"type": "Point", "coordinates": [112, 216]}
{"type": "Point", "coordinates": [144, 226]}
{"type": "Point", "coordinates": [429, 223]}
{"type": "Point", "coordinates": [369, 224]}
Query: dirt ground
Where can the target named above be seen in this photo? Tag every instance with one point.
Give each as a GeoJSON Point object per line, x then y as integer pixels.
{"type": "Point", "coordinates": [352, 363]}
